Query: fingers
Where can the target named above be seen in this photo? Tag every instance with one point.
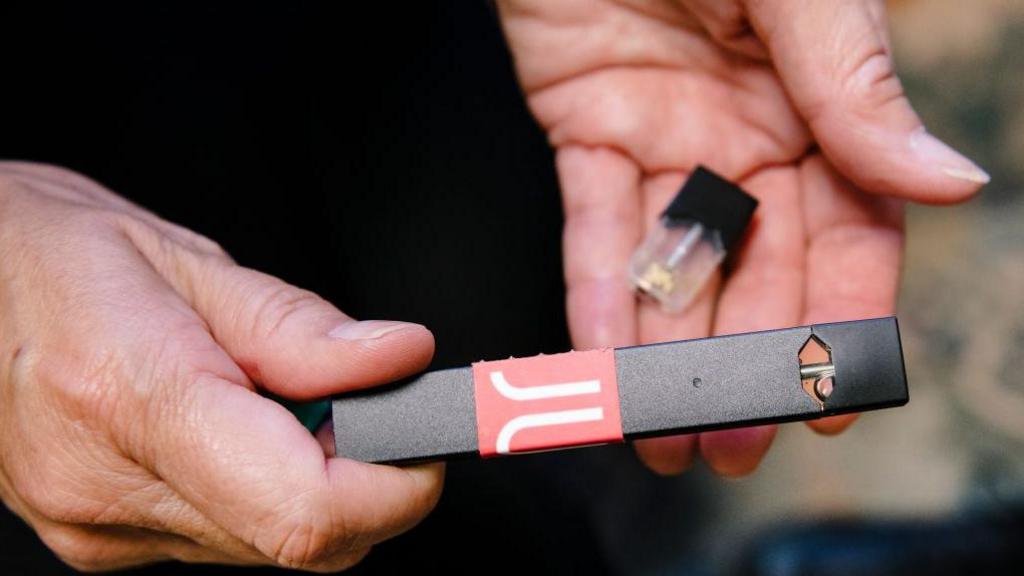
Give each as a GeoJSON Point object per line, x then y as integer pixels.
{"type": "Point", "coordinates": [695, 321]}
{"type": "Point", "coordinates": [769, 267]}
{"type": "Point", "coordinates": [325, 437]}
{"type": "Point", "coordinates": [94, 548]}
{"type": "Point", "coordinates": [257, 484]}
{"type": "Point", "coordinates": [832, 425]}
{"type": "Point", "coordinates": [674, 454]}
{"type": "Point", "coordinates": [602, 227]}
{"type": "Point", "coordinates": [764, 291]}
{"type": "Point", "coordinates": [669, 455]}
{"type": "Point", "coordinates": [293, 342]}
{"type": "Point", "coordinates": [245, 463]}
{"type": "Point", "coordinates": [290, 341]}
{"type": "Point", "coordinates": [116, 372]}
{"type": "Point", "coordinates": [727, 23]}
{"type": "Point", "coordinates": [835, 61]}
{"type": "Point", "coordinates": [855, 247]}
{"type": "Point", "coordinates": [736, 452]}
{"type": "Point", "coordinates": [110, 547]}
{"type": "Point", "coordinates": [854, 254]}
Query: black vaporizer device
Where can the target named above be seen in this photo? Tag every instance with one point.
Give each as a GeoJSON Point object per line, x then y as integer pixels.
{"type": "Point", "coordinates": [584, 398]}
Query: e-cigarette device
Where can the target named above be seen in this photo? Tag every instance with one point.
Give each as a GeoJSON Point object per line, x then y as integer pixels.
{"type": "Point", "coordinates": [573, 399]}
{"type": "Point", "coordinates": [705, 221]}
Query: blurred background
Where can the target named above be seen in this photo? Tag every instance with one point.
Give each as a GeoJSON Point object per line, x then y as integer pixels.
{"type": "Point", "coordinates": [352, 152]}
{"type": "Point", "coordinates": [947, 471]}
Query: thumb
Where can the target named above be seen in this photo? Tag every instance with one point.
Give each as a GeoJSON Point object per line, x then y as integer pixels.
{"type": "Point", "coordinates": [296, 344]}
{"type": "Point", "coordinates": [835, 61]}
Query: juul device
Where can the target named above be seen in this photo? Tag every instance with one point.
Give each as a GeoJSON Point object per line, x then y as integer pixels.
{"type": "Point", "coordinates": [584, 398]}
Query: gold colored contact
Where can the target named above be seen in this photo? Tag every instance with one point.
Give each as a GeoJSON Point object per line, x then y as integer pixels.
{"type": "Point", "coordinates": [656, 277]}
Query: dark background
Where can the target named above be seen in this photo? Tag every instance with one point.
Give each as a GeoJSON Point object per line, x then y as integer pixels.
{"type": "Point", "coordinates": [380, 156]}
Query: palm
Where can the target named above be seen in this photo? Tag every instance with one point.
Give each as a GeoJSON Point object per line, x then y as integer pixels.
{"type": "Point", "coordinates": [634, 100]}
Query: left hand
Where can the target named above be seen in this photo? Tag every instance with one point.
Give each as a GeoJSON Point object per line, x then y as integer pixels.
{"type": "Point", "coordinates": [132, 428]}
{"type": "Point", "coordinates": [796, 100]}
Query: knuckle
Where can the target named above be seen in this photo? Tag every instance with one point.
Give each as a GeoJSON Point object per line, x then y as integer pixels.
{"type": "Point", "coordinates": [60, 491]}
{"type": "Point", "coordinates": [729, 24]}
{"type": "Point", "coordinates": [303, 545]}
{"type": "Point", "coordinates": [85, 388]}
{"type": "Point", "coordinates": [279, 306]}
{"type": "Point", "coordinates": [19, 365]}
{"type": "Point", "coordinates": [167, 245]}
{"type": "Point", "coordinates": [204, 245]}
{"type": "Point", "coordinates": [306, 541]}
{"type": "Point", "coordinates": [873, 78]}
{"type": "Point", "coordinates": [61, 467]}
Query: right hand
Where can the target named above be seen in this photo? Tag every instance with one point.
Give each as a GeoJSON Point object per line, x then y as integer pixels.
{"type": "Point", "coordinates": [795, 100]}
{"type": "Point", "coordinates": [131, 430]}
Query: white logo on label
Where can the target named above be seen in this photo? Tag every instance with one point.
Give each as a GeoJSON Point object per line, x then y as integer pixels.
{"type": "Point", "coordinates": [522, 394]}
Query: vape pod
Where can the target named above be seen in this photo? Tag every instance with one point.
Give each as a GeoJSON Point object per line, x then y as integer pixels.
{"type": "Point", "coordinates": [695, 232]}
{"type": "Point", "coordinates": [601, 396]}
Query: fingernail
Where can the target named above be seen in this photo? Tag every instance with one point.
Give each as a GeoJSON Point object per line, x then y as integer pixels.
{"type": "Point", "coordinates": [367, 329]}
{"type": "Point", "coordinates": [953, 164]}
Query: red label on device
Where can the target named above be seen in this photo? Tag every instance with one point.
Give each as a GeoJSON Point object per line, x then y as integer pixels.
{"type": "Point", "coordinates": [546, 402]}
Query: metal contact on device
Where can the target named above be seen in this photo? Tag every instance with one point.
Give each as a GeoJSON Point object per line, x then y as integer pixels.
{"type": "Point", "coordinates": [823, 387]}
{"type": "Point", "coordinates": [682, 387]}
{"type": "Point", "coordinates": [817, 371]}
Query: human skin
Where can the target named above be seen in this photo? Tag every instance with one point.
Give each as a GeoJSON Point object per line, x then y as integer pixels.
{"type": "Point", "coordinates": [132, 351]}
{"type": "Point", "coordinates": [797, 100]}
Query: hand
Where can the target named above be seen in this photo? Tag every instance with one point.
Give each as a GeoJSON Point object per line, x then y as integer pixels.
{"type": "Point", "coordinates": [131, 430]}
{"type": "Point", "coordinates": [796, 100]}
